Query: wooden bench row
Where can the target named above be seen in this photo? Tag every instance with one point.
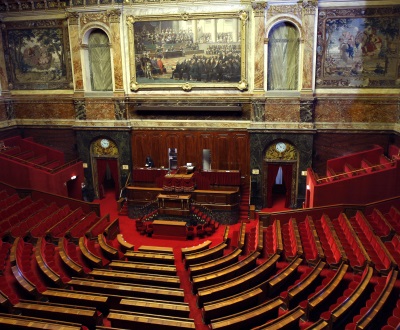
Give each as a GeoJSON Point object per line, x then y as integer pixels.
{"type": "Point", "coordinates": [289, 320]}
{"type": "Point", "coordinates": [255, 295]}
{"type": "Point", "coordinates": [150, 257]}
{"type": "Point", "coordinates": [257, 292]}
{"type": "Point", "coordinates": [125, 246]}
{"type": "Point", "coordinates": [105, 301]}
{"type": "Point", "coordinates": [249, 318]}
{"type": "Point", "coordinates": [317, 302]}
{"type": "Point", "coordinates": [194, 249]}
{"type": "Point", "coordinates": [46, 270]}
{"type": "Point", "coordinates": [87, 316]}
{"type": "Point", "coordinates": [135, 320]}
{"type": "Point", "coordinates": [216, 264]}
{"type": "Point", "coordinates": [70, 264]}
{"type": "Point", "coordinates": [156, 249]}
{"type": "Point", "coordinates": [147, 268]}
{"type": "Point", "coordinates": [13, 321]}
{"type": "Point", "coordinates": [109, 251]}
{"type": "Point", "coordinates": [335, 316]}
{"type": "Point", "coordinates": [299, 290]}
{"type": "Point", "coordinates": [236, 285]}
{"type": "Point", "coordinates": [233, 271]}
{"type": "Point", "coordinates": [127, 289]}
{"type": "Point", "coordinates": [206, 255]}
{"type": "Point", "coordinates": [370, 318]}
{"type": "Point", "coordinates": [93, 259]}
{"type": "Point", "coordinates": [136, 278]}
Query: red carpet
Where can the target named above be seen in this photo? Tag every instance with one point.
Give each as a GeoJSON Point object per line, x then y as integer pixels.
{"type": "Point", "coordinates": [278, 204]}
{"type": "Point", "coordinates": [128, 229]}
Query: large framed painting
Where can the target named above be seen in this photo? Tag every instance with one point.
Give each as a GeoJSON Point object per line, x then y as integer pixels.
{"type": "Point", "coordinates": [358, 48]}
{"type": "Point", "coordinates": [37, 54]}
{"type": "Point", "coordinates": [188, 51]}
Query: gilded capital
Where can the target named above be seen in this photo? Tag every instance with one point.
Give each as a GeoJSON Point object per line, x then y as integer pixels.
{"type": "Point", "coordinates": [114, 15]}
{"type": "Point", "coordinates": [259, 8]}
{"type": "Point", "coordinates": [73, 18]}
{"type": "Point", "coordinates": [310, 6]}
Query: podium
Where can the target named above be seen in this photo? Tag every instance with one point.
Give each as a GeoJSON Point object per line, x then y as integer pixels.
{"type": "Point", "coordinates": [174, 204]}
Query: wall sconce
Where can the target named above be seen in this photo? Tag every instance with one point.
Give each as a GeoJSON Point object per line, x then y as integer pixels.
{"type": "Point", "coordinates": [73, 177]}
{"type": "Point", "coordinates": [308, 187]}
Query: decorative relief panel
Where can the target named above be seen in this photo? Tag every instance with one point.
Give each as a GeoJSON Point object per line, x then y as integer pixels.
{"type": "Point", "coordinates": [274, 10]}
{"type": "Point", "coordinates": [80, 109]}
{"type": "Point", "coordinates": [358, 48]}
{"type": "Point", "coordinates": [258, 111]}
{"type": "Point", "coordinates": [306, 111]}
{"type": "Point", "coordinates": [104, 147]}
{"type": "Point", "coordinates": [10, 111]}
{"type": "Point", "coordinates": [281, 150]}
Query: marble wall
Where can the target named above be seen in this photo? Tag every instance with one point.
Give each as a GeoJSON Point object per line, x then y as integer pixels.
{"type": "Point", "coordinates": [84, 139]}
{"type": "Point", "coordinates": [301, 117]}
{"type": "Point", "coordinates": [260, 141]}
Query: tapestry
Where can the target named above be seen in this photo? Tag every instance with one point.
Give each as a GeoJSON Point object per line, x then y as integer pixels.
{"type": "Point", "coordinates": [358, 48]}
{"type": "Point", "coordinates": [36, 54]}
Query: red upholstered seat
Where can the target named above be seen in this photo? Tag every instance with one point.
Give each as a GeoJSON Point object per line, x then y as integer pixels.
{"type": "Point", "coordinates": [190, 233]}
{"type": "Point", "coordinates": [149, 229]}
{"type": "Point", "coordinates": [200, 231]}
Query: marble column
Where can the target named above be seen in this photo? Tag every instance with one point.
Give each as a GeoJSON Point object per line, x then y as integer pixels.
{"type": "Point", "coordinates": [115, 16]}
{"type": "Point", "coordinates": [309, 17]}
{"type": "Point", "coordinates": [3, 77]}
{"type": "Point", "coordinates": [259, 33]}
{"type": "Point", "coordinates": [73, 22]}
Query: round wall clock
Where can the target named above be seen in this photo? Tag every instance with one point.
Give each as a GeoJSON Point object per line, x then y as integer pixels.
{"type": "Point", "coordinates": [280, 146]}
{"type": "Point", "coordinates": [105, 143]}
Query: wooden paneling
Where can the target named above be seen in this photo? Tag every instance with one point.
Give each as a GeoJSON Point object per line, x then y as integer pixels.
{"type": "Point", "coordinates": [139, 148]}
{"type": "Point", "coordinates": [229, 150]}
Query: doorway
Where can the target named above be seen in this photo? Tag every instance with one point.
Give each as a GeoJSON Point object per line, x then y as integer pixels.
{"type": "Point", "coordinates": [278, 184]}
{"type": "Point", "coordinates": [279, 190]}
{"type": "Point", "coordinates": [108, 177]}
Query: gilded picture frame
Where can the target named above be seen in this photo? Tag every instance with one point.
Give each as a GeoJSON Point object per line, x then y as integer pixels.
{"type": "Point", "coordinates": [186, 51]}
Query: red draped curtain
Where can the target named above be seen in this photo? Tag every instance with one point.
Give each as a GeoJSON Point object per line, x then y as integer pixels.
{"type": "Point", "coordinates": [112, 164]}
{"type": "Point", "coordinates": [287, 172]}
{"type": "Point", "coordinates": [272, 171]}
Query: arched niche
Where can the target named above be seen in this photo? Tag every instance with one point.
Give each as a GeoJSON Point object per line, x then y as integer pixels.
{"type": "Point", "coordinates": [97, 59]}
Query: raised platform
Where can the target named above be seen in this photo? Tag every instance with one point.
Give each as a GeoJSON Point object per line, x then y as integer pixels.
{"type": "Point", "coordinates": [220, 200]}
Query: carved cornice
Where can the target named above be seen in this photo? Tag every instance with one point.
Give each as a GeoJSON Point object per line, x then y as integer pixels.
{"type": "Point", "coordinates": [95, 17]}
{"type": "Point", "coordinates": [295, 10]}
